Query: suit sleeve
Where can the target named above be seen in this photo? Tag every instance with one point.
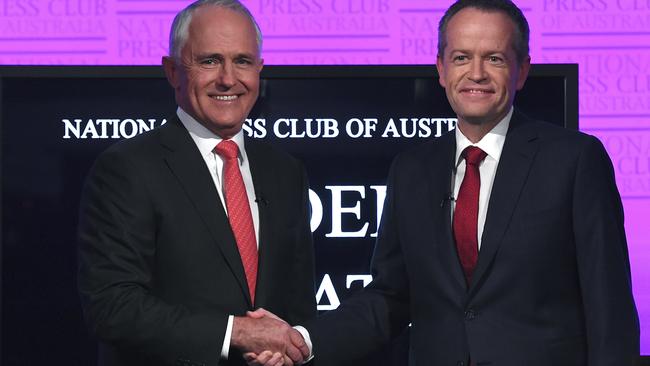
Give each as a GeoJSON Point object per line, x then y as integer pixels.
{"type": "Point", "coordinates": [117, 236]}
{"type": "Point", "coordinates": [380, 311]}
{"type": "Point", "coordinates": [603, 262]}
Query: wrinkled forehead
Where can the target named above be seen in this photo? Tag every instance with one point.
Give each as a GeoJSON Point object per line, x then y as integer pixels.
{"type": "Point", "coordinates": [213, 20]}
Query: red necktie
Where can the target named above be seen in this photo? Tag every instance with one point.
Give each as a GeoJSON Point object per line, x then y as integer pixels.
{"type": "Point", "coordinates": [239, 211]}
{"type": "Point", "coordinates": [466, 212]}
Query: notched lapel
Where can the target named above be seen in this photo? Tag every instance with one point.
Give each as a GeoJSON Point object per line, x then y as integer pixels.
{"type": "Point", "coordinates": [441, 191]}
{"type": "Point", "coordinates": [261, 180]}
{"type": "Point", "coordinates": [186, 163]}
{"type": "Point", "coordinates": [518, 154]}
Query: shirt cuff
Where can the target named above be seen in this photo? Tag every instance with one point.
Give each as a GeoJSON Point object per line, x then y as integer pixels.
{"type": "Point", "coordinates": [225, 348]}
{"type": "Point", "coordinates": [305, 334]}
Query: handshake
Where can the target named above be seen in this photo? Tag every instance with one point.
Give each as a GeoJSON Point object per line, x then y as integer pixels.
{"type": "Point", "coordinates": [267, 340]}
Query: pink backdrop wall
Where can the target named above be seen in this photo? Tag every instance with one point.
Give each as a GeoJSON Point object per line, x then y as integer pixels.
{"type": "Point", "coordinates": [609, 39]}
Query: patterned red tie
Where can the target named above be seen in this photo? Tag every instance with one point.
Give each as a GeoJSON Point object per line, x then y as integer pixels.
{"type": "Point", "coordinates": [466, 212]}
{"type": "Point", "coordinates": [239, 211]}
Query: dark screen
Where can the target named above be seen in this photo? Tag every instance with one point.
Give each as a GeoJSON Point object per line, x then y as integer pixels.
{"type": "Point", "coordinates": [55, 121]}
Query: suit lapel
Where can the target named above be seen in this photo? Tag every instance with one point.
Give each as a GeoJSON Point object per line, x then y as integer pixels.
{"type": "Point", "coordinates": [516, 159]}
{"type": "Point", "coordinates": [259, 167]}
{"type": "Point", "coordinates": [441, 186]}
{"type": "Point", "coordinates": [184, 160]}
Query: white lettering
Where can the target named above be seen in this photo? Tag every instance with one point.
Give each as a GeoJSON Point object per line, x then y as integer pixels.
{"type": "Point", "coordinates": [316, 211]}
{"type": "Point", "coordinates": [356, 128]}
{"type": "Point", "coordinates": [123, 127]}
{"type": "Point", "coordinates": [104, 128]}
{"type": "Point", "coordinates": [69, 127]}
{"type": "Point", "coordinates": [366, 279]}
{"type": "Point", "coordinates": [90, 130]}
{"type": "Point", "coordinates": [338, 210]}
{"type": "Point", "coordinates": [390, 129]}
{"type": "Point", "coordinates": [327, 288]}
{"type": "Point", "coordinates": [381, 197]}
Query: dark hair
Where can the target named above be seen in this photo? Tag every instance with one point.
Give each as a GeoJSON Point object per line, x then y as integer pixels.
{"type": "Point", "coordinates": [505, 6]}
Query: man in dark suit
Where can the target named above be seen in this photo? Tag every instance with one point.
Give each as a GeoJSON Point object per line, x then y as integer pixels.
{"type": "Point", "coordinates": [186, 228]}
{"type": "Point", "coordinates": [502, 243]}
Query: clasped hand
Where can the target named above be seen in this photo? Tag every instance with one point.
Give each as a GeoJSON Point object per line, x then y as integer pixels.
{"type": "Point", "coordinates": [267, 340]}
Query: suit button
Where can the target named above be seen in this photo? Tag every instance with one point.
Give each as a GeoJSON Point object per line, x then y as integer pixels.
{"type": "Point", "coordinates": [470, 314]}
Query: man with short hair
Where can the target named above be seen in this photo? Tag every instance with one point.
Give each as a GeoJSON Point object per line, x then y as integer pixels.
{"type": "Point", "coordinates": [527, 262]}
{"type": "Point", "coordinates": [186, 228]}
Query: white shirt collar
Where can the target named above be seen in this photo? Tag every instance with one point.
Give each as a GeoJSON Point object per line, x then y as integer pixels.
{"type": "Point", "coordinates": [205, 139]}
{"type": "Point", "coordinates": [491, 143]}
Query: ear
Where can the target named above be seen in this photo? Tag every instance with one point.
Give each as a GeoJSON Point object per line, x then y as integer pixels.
{"type": "Point", "coordinates": [522, 73]}
{"type": "Point", "coordinates": [171, 71]}
{"type": "Point", "coordinates": [261, 65]}
{"type": "Point", "coordinates": [441, 73]}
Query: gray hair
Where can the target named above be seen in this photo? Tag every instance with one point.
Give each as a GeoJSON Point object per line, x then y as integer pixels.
{"type": "Point", "coordinates": [180, 26]}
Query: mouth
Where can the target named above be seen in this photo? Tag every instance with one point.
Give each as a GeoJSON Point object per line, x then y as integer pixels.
{"type": "Point", "coordinates": [477, 91]}
{"type": "Point", "coordinates": [225, 98]}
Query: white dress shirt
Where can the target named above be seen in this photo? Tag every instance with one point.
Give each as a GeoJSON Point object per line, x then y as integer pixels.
{"type": "Point", "coordinates": [206, 141]}
{"type": "Point", "coordinates": [492, 144]}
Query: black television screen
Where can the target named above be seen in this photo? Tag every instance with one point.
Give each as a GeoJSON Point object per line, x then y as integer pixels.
{"type": "Point", "coordinates": [345, 122]}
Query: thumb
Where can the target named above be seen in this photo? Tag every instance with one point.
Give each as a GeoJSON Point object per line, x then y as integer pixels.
{"type": "Point", "coordinates": [261, 313]}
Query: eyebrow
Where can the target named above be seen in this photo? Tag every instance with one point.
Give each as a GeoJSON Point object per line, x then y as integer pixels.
{"type": "Point", "coordinates": [201, 56]}
{"type": "Point", "coordinates": [219, 55]}
{"type": "Point", "coordinates": [487, 53]}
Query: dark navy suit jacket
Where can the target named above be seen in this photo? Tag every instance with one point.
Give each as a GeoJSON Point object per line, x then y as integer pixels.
{"type": "Point", "coordinates": [552, 283]}
{"type": "Point", "coordinates": [159, 267]}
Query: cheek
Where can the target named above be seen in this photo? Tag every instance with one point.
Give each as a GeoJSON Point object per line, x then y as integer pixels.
{"type": "Point", "coordinates": [504, 83]}
{"type": "Point", "coordinates": [512, 87]}
{"type": "Point", "coordinates": [254, 89]}
{"type": "Point", "coordinates": [198, 80]}
{"type": "Point", "coordinates": [250, 79]}
{"type": "Point", "coordinates": [453, 77]}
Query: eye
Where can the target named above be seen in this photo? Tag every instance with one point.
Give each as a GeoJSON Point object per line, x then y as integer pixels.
{"type": "Point", "coordinates": [495, 60]}
{"type": "Point", "coordinates": [243, 61]}
{"type": "Point", "coordinates": [460, 59]}
{"type": "Point", "coordinates": [209, 62]}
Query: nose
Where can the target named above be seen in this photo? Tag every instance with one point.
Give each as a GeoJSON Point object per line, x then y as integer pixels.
{"type": "Point", "coordinates": [477, 70]}
{"type": "Point", "coordinates": [226, 78]}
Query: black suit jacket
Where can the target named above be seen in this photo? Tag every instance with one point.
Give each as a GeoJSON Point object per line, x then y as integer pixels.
{"type": "Point", "coordinates": [552, 282]}
{"type": "Point", "coordinates": [159, 266]}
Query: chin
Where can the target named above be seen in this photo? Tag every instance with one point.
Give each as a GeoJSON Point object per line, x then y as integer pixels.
{"type": "Point", "coordinates": [474, 120]}
{"type": "Point", "coordinates": [474, 115]}
{"type": "Point", "coordinates": [225, 121]}
{"type": "Point", "coordinates": [223, 125]}
{"type": "Point", "coordinates": [477, 118]}
{"type": "Point", "coordinates": [228, 125]}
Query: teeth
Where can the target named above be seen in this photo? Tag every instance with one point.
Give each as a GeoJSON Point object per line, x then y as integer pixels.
{"type": "Point", "coordinates": [225, 97]}
{"type": "Point", "coordinates": [477, 91]}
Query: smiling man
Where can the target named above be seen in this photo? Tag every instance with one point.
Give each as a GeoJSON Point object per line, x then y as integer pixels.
{"type": "Point", "coordinates": [186, 228]}
{"type": "Point", "coordinates": [527, 264]}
